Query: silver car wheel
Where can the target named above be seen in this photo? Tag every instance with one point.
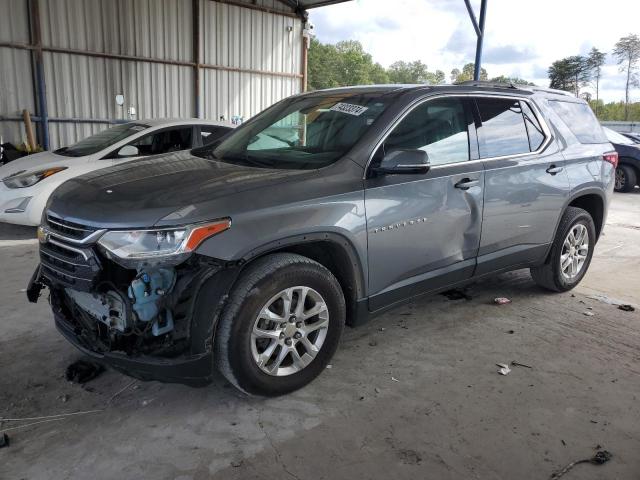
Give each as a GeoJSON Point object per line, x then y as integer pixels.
{"type": "Point", "coordinates": [289, 331]}
{"type": "Point", "coordinates": [575, 250]}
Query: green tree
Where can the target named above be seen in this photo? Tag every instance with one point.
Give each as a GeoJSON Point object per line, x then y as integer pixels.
{"type": "Point", "coordinates": [569, 74]}
{"type": "Point", "coordinates": [342, 64]}
{"type": "Point", "coordinates": [408, 72]}
{"type": "Point", "coordinates": [595, 61]}
{"type": "Point", "coordinates": [514, 80]}
{"type": "Point", "coordinates": [466, 74]}
{"type": "Point", "coordinates": [627, 51]}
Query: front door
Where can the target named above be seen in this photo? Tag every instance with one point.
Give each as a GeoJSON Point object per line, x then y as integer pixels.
{"type": "Point", "coordinates": [424, 229]}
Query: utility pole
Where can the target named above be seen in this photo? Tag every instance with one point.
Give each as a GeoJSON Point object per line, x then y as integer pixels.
{"type": "Point", "coordinates": [479, 28]}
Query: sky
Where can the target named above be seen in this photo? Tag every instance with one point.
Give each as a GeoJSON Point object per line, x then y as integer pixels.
{"type": "Point", "coordinates": [522, 38]}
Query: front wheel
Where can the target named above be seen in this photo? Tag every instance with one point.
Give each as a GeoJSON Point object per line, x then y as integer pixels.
{"type": "Point", "coordinates": [281, 326]}
{"type": "Point", "coordinates": [570, 254]}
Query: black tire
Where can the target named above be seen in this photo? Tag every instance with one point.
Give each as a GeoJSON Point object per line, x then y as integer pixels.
{"type": "Point", "coordinates": [626, 178]}
{"type": "Point", "coordinates": [549, 274]}
{"type": "Point", "coordinates": [263, 279]}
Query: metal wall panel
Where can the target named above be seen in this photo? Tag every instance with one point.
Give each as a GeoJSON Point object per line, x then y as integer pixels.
{"type": "Point", "coordinates": [16, 86]}
{"type": "Point", "coordinates": [247, 39]}
{"type": "Point", "coordinates": [84, 87]}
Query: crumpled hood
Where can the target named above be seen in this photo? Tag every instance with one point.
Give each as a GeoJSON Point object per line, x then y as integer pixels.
{"type": "Point", "coordinates": [142, 192]}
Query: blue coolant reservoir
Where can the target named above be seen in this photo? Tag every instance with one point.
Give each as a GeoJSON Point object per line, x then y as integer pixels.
{"type": "Point", "coordinates": [146, 293]}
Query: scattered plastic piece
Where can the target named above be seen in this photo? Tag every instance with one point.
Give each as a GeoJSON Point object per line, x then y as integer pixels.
{"type": "Point", "coordinates": [588, 314]}
{"type": "Point", "coordinates": [626, 308]}
{"type": "Point", "coordinates": [395, 379]}
{"type": "Point", "coordinates": [504, 368]}
{"type": "Point", "coordinates": [329, 366]}
{"type": "Point", "coordinates": [501, 301]}
{"type": "Point", "coordinates": [4, 440]}
{"type": "Point", "coordinates": [518, 364]}
{"type": "Point", "coordinates": [83, 371]}
{"type": "Point", "coordinates": [602, 456]}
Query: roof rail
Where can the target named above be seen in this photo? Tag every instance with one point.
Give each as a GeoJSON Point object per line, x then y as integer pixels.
{"type": "Point", "coordinates": [552, 90]}
{"type": "Point", "coordinates": [485, 83]}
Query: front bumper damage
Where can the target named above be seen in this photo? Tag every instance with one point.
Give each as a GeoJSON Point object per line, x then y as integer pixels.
{"type": "Point", "coordinates": [153, 323]}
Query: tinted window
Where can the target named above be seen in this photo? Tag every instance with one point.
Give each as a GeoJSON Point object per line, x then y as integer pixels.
{"type": "Point", "coordinates": [580, 120]}
{"type": "Point", "coordinates": [438, 127]}
{"type": "Point", "coordinates": [164, 141]}
{"type": "Point", "coordinates": [211, 133]}
{"type": "Point", "coordinates": [101, 140]}
{"type": "Point", "coordinates": [503, 131]}
{"type": "Point", "coordinates": [536, 134]}
{"type": "Point", "coordinates": [302, 133]}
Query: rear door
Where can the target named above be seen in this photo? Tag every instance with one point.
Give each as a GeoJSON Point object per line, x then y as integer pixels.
{"type": "Point", "coordinates": [526, 183]}
{"type": "Point", "coordinates": [424, 229]}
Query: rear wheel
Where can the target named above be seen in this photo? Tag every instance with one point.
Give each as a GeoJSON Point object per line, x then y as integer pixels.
{"type": "Point", "coordinates": [282, 325]}
{"type": "Point", "coordinates": [570, 254]}
{"type": "Point", "coordinates": [626, 178]}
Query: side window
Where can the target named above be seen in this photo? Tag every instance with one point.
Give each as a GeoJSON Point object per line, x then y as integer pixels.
{"type": "Point", "coordinates": [165, 141]}
{"type": "Point", "coordinates": [439, 127]}
{"type": "Point", "coordinates": [503, 130]}
{"type": "Point", "coordinates": [580, 119]}
{"type": "Point", "coordinates": [536, 134]}
{"type": "Point", "coordinates": [211, 133]}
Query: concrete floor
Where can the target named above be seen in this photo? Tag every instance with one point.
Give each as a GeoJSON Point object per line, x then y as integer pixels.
{"type": "Point", "coordinates": [413, 394]}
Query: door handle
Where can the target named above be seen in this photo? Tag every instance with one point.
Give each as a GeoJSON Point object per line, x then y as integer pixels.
{"type": "Point", "coordinates": [467, 183]}
{"type": "Point", "coordinates": [552, 170]}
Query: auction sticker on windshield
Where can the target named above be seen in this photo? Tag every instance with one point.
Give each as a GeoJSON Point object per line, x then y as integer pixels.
{"type": "Point", "coordinates": [349, 108]}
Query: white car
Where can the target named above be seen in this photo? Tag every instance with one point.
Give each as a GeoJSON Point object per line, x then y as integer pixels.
{"type": "Point", "coordinates": [27, 183]}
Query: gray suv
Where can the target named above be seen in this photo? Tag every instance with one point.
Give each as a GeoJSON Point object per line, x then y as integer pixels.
{"type": "Point", "coordinates": [251, 254]}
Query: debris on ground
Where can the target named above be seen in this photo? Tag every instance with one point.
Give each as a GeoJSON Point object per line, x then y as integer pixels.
{"type": "Point", "coordinates": [501, 301]}
{"type": "Point", "coordinates": [64, 398]}
{"type": "Point", "coordinates": [518, 364]}
{"type": "Point", "coordinates": [83, 371]}
{"type": "Point", "coordinates": [511, 332]}
{"type": "Point", "coordinates": [588, 314]}
{"type": "Point", "coordinates": [329, 366]}
{"type": "Point", "coordinates": [602, 456]}
{"type": "Point", "coordinates": [504, 368]}
{"type": "Point", "coordinates": [626, 308]}
{"type": "Point", "coordinates": [4, 440]}
{"type": "Point", "coordinates": [373, 343]}
{"type": "Point", "coordinates": [394, 379]}
{"type": "Point", "coordinates": [457, 294]}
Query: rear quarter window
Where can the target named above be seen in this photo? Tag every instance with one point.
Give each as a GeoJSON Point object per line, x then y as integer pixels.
{"type": "Point", "coordinates": [579, 118]}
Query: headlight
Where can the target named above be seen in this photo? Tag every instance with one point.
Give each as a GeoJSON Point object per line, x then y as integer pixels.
{"type": "Point", "coordinates": [161, 244]}
{"type": "Point", "coordinates": [23, 180]}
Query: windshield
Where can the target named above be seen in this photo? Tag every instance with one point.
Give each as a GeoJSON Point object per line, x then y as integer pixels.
{"type": "Point", "coordinates": [615, 137]}
{"type": "Point", "coordinates": [101, 140]}
{"type": "Point", "coordinates": [302, 133]}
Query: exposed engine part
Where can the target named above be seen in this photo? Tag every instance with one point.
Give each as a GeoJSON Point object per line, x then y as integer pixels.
{"type": "Point", "coordinates": [108, 308]}
{"type": "Point", "coordinates": [147, 292]}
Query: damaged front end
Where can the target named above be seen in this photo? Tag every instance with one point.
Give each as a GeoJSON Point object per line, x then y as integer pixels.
{"type": "Point", "coordinates": [142, 301]}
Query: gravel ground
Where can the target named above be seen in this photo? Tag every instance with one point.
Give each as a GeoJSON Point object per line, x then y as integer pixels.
{"type": "Point", "coordinates": [413, 394]}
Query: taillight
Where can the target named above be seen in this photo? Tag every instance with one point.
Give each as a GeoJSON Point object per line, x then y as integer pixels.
{"type": "Point", "coordinates": [612, 158]}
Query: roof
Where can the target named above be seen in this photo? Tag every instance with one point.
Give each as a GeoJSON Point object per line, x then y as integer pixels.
{"type": "Point", "coordinates": [156, 122]}
{"type": "Point", "coordinates": [307, 4]}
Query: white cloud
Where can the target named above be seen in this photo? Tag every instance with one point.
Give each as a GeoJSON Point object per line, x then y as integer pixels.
{"type": "Point", "coordinates": [522, 38]}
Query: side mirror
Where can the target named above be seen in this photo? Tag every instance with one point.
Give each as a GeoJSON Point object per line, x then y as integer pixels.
{"type": "Point", "coordinates": [128, 151]}
{"type": "Point", "coordinates": [404, 162]}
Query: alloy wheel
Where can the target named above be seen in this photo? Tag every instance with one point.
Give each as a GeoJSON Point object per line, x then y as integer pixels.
{"type": "Point", "coordinates": [289, 331]}
{"type": "Point", "coordinates": [575, 250]}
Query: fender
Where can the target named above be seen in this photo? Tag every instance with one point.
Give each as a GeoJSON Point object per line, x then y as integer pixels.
{"type": "Point", "coordinates": [356, 263]}
{"type": "Point", "coordinates": [574, 195]}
